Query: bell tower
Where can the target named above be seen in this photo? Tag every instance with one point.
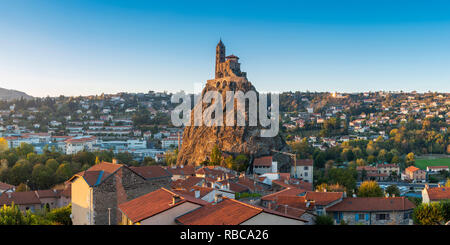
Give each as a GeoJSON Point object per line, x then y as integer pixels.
{"type": "Point", "coordinates": [220, 57]}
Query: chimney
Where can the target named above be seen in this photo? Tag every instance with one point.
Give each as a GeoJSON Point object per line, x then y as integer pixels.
{"type": "Point", "coordinates": [175, 199]}
{"type": "Point", "coordinates": [218, 198]}
{"type": "Point", "coordinates": [197, 194]}
{"type": "Point", "coordinates": [345, 194]}
{"type": "Point", "coordinates": [9, 194]}
{"type": "Point", "coordinates": [115, 161]}
{"type": "Point", "coordinates": [285, 208]}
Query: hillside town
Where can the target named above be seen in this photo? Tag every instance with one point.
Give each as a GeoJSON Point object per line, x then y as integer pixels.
{"type": "Point", "coordinates": [378, 158]}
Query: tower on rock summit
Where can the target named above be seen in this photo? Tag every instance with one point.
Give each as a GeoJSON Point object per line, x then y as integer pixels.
{"type": "Point", "coordinates": [227, 66]}
{"type": "Point", "coordinates": [199, 141]}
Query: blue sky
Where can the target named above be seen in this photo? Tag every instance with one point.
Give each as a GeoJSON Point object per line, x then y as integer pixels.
{"type": "Point", "coordinates": [84, 47]}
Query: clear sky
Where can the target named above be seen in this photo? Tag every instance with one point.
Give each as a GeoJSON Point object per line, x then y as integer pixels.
{"type": "Point", "coordinates": [85, 47]}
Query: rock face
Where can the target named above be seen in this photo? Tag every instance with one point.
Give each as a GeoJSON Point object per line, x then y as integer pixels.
{"type": "Point", "coordinates": [198, 141]}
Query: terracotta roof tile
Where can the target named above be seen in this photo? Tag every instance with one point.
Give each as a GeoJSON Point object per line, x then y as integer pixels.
{"type": "Point", "coordinates": [263, 161]}
{"type": "Point", "coordinates": [304, 162]}
{"type": "Point", "coordinates": [373, 204]}
{"type": "Point", "coordinates": [226, 212]}
{"type": "Point", "coordinates": [19, 198]}
{"type": "Point", "coordinates": [151, 172]}
{"type": "Point", "coordinates": [323, 198]}
{"type": "Point", "coordinates": [185, 170]}
{"type": "Point", "coordinates": [438, 193]}
{"type": "Point", "coordinates": [149, 205]}
{"type": "Point", "coordinates": [4, 186]}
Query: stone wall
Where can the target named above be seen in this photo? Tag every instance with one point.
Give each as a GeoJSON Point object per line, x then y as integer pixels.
{"type": "Point", "coordinates": [396, 218]}
{"type": "Point", "coordinates": [123, 186]}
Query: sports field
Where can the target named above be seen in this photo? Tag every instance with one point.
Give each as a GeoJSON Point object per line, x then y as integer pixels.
{"type": "Point", "coordinates": [422, 163]}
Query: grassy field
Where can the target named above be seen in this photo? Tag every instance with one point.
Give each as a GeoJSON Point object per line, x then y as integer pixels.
{"type": "Point", "coordinates": [422, 163]}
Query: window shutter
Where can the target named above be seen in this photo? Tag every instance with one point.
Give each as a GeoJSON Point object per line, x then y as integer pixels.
{"type": "Point", "coordinates": [356, 217]}
{"type": "Point", "coordinates": [367, 217]}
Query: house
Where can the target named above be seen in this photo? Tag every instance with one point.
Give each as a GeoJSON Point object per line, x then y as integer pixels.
{"type": "Point", "coordinates": [364, 171]}
{"type": "Point", "coordinates": [437, 169]}
{"type": "Point", "coordinates": [188, 183]}
{"type": "Point", "coordinates": [373, 210]}
{"type": "Point", "coordinates": [323, 200]}
{"type": "Point", "coordinates": [435, 194]}
{"type": "Point", "coordinates": [388, 169]}
{"type": "Point", "coordinates": [79, 143]}
{"type": "Point", "coordinates": [159, 207]}
{"type": "Point", "coordinates": [262, 165]}
{"type": "Point", "coordinates": [232, 212]}
{"type": "Point", "coordinates": [6, 187]}
{"type": "Point", "coordinates": [97, 192]}
{"type": "Point", "coordinates": [181, 172]}
{"type": "Point", "coordinates": [303, 169]}
{"type": "Point", "coordinates": [27, 200]}
{"type": "Point", "coordinates": [271, 199]}
{"type": "Point", "coordinates": [415, 174]}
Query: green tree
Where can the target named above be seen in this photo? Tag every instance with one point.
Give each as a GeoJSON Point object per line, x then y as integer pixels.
{"type": "Point", "coordinates": [241, 162]}
{"type": "Point", "coordinates": [42, 177]}
{"type": "Point", "coordinates": [60, 215]}
{"type": "Point", "coordinates": [324, 220]}
{"type": "Point", "coordinates": [370, 189]}
{"type": "Point", "coordinates": [52, 164]}
{"type": "Point", "coordinates": [63, 173]}
{"type": "Point", "coordinates": [216, 156]}
{"type": "Point", "coordinates": [393, 190]}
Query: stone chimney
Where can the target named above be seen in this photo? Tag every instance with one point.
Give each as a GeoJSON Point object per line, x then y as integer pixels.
{"type": "Point", "coordinates": [175, 199]}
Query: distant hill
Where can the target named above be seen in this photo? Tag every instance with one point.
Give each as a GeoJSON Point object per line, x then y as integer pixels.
{"type": "Point", "coordinates": [9, 94]}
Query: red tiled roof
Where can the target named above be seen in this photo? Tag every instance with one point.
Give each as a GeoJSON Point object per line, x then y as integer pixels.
{"type": "Point", "coordinates": [77, 140]}
{"type": "Point", "coordinates": [296, 212]}
{"type": "Point", "coordinates": [226, 212]}
{"type": "Point", "coordinates": [323, 198]}
{"type": "Point", "coordinates": [411, 169]}
{"type": "Point", "coordinates": [298, 202]}
{"type": "Point", "coordinates": [98, 173]}
{"type": "Point", "coordinates": [372, 204]}
{"type": "Point", "coordinates": [186, 183]}
{"type": "Point", "coordinates": [249, 183]}
{"type": "Point", "coordinates": [4, 186]}
{"type": "Point", "coordinates": [149, 205]}
{"type": "Point", "coordinates": [304, 162]}
{"type": "Point", "coordinates": [19, 198]}
{"type": "Point", "coordinates": [284, 192]}
{"type": "Point", "coordinates": [185, 170]}
{"type": "Point", "coordinates": [47, 193]}
{"type": "Point", "coordinates": [263, 161]}
{"type": "Point", "coordinates": [438, 193]}
{"type": "Point", "coordinates": [294, 183]}
{"type": "Point", "coordinates": [151, 172]}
